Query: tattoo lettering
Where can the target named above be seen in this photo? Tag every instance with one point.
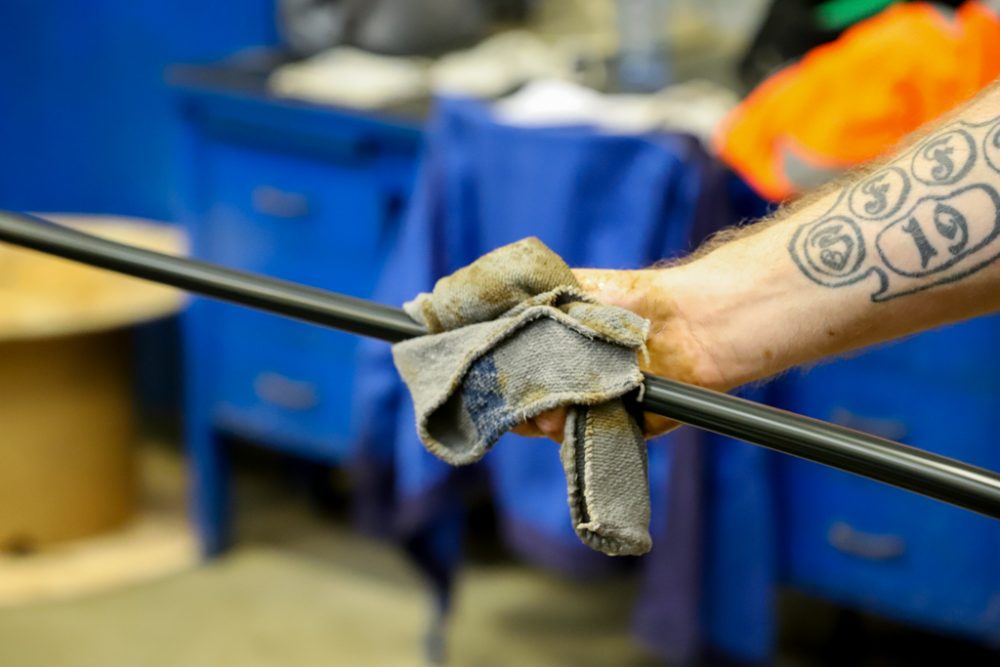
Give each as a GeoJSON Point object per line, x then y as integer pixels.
{"type": "Point", "coordinates": [991, 147]}
{"type": "Point", "coordinates": [881, 194]}
{"type": "Point", "coordinates": [938, 232]}
{"type": "Point", "coordinates": [945, 158]}
{"type": "Point", "coordinates": [949, 230]}
{"type": "Point", "coordinates": [925, 249]}
{"type": "Point", "coordinates": [951, 224]}
{"type": "Point", "coordinates": [835, 248]}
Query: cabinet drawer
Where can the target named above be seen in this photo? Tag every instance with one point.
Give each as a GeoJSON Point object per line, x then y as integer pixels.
{"type": "Point", "coordinates": [884, 549]}
{"type": "Point", "coordinates": [286, 383]}
{"type": "Point", "coordinates": [311, 221]}
{"type": "Point", "coordinates": [299, 218]}
{"type": "Point", "coordinates": [962, 354]}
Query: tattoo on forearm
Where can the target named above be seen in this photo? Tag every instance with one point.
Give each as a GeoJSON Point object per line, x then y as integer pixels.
{"type": "Point", "coordinates": [922, 220]}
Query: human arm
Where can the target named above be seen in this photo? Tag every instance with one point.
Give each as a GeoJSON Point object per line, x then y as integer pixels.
{"type": "Point", "coordinates": [906, 244]}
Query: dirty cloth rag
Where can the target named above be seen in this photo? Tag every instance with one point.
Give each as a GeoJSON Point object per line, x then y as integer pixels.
{"type": "Point", "coordinates": [512, 335]}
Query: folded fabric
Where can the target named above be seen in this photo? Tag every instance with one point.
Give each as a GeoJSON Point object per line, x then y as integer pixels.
{"type": "Point", "coordinates": [695, 107]}
{"type": "Point", "coordinates": [511, 336]}
{"type": "Point", "coordinates": [351, 77]}
{"type": "Point", "coordinates": [348, 76]}
{"type": "Point", "coordinates": [501, 63]}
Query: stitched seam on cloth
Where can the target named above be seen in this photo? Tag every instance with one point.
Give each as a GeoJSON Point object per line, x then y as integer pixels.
{"type": "Point", "coordinates": [587, 529]}
{"type": "Point", "coordinates": [594, 534]}
{"type": "Point", "coordinates": [580, 457]}
{"type": "Point", "coordinates": [572, 468]}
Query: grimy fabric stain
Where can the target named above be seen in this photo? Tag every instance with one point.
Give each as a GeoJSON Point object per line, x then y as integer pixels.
{"type": "Point", "coordinates": [511, 336]}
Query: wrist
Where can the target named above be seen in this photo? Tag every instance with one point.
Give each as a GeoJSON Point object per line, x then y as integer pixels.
{"type": "Point", "coordinates": [674, 348]}
{"type": "Point", "coordinates": [700, 325]}
{"type": "Point", "coordinates": [689, 329]}
{"type": "Point", "coordinates": [736, 322]}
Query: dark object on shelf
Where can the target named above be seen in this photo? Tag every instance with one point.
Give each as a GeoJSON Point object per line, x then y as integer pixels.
{"type": "Point", "coordinates": [883, 460]}
{"type": "Point", "coordinates": [394, 27]}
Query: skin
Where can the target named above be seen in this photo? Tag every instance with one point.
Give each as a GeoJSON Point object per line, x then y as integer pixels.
{"type": "Point", "coordinates": [905, 244]}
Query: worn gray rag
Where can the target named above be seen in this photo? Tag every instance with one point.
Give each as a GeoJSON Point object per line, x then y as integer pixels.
{"type": "Point", "coordinates": [511, 336]}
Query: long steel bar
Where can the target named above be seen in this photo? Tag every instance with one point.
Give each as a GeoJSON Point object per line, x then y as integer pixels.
{"type": "Point", "coordinates": [945, 479]}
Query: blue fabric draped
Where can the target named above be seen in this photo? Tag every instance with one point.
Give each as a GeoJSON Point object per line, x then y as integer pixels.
{"type": "Point", "coordinates": [597, 199]}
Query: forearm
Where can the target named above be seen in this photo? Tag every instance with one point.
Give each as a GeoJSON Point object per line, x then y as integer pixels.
{"type": "Point", "coordinates": [905, 246]}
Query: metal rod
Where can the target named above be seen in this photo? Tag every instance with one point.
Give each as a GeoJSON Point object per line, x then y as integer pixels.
{"type": "Point", "coordinates": [900, 465]}
{"type": "Point", "coordinates": [945, 479]}
{"type": "Point", "coordinates": [301, 302]}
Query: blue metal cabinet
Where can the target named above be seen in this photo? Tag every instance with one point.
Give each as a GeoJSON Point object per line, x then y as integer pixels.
{"type": "Point", "coordinates": [885, 550]}
{"type": "Point", "coordinates": [308, 221]}
{"type": "Point", "coordinates": [298, 192]}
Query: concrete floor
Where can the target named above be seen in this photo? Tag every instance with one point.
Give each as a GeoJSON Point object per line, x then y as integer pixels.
{"type": "Point", "coordinates": [264, 606]}
{"type": "Point", "coordinates": [304, 590]}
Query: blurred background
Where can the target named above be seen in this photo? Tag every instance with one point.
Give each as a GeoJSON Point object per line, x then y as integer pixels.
{"type": "Point", "coordinates": [188, 483]}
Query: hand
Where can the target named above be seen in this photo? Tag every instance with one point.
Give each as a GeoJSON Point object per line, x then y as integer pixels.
{"type": "Point", "coordinates": [675, 350]}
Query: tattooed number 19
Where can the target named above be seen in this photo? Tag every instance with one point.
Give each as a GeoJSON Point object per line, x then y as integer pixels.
{"type": "Point", "coordinates": [950, 224]}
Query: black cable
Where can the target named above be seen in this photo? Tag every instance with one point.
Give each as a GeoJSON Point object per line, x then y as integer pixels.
{"type": "Point", "coordinates": [945, 479]}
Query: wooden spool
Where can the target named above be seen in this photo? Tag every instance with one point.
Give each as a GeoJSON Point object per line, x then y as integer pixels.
{"type": "Point", "coordinates": [67, 418]}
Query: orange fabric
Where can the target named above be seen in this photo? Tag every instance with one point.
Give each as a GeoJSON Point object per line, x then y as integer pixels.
{"type": "Point", "coordinates": [848, 101]}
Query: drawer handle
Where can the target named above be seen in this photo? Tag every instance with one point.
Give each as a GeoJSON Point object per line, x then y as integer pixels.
{"type": "Point", "coordinates": [854, 542]}
{"type": "Point", "coordinates": [285, 392]}
{"type": "Point", "coordinates": [278, 203]}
